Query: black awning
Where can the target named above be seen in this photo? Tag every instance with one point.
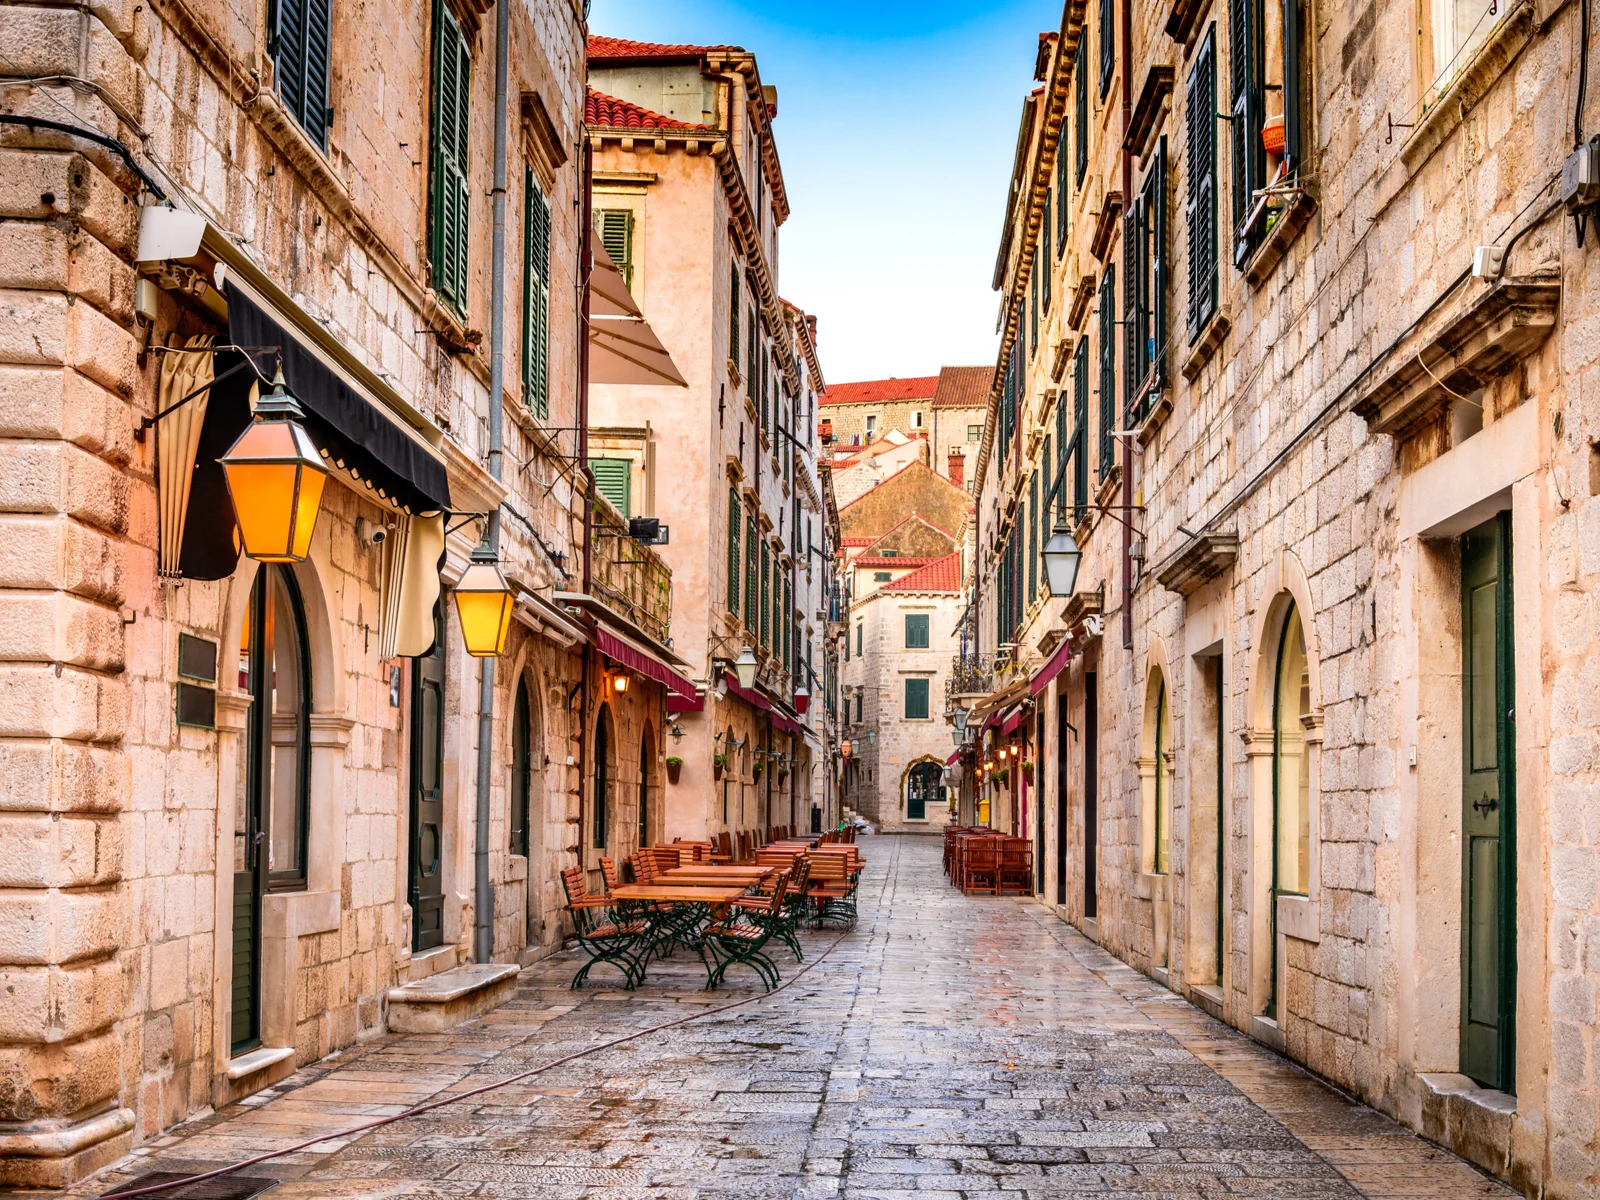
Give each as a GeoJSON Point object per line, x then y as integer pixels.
{"type": "Point", "coordinates": [350, 429]}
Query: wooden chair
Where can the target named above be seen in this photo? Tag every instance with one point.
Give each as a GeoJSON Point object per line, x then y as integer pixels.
{"type": "Point", "coordinates": [742, 934]}
{"type": "Point", "coordinates": [600, 934]}
{"type": "Point", "coordinates": [830, 889]}
{"type": "Point", "coordinates": [644, 866]}
{"type": "Point", "coordinates": [608, 869]}
{"type": "Point", "coordinates": [982, 870]}
{"type": "Point", "coordinates": [1016, 867]}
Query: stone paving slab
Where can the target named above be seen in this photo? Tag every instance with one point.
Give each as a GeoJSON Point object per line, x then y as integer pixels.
{"type": "Point", "coordinates": [947, 1048]}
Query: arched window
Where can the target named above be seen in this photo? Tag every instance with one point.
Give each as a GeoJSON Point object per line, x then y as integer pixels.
{"type": "Point", "coordinates": [922, 789]}
{"type": "Point", "coordinates": [1291, 766]}
{"type": "Point", "coordinates": [1163, 814]}
{"type": "Point", "coordinates": [521, 769]}
{"type": "Point", "coordinates": [602, 776]}
{"type": "Point", "coordinates": [647, 754]}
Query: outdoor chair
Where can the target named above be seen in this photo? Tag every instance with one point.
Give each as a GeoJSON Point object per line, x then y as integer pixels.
{"type": "Point", "coordinates": [982, 870]}
{"type": "Point", "coordinates": [1016, 867]}
{"type": "Point", "coordinates": [608, 871]}
{"type": "Point", "coordinates": [741, 936]}
{"type": "Point", "coordinates": [601, 935]}
{"type": "Point", "coordinates": [723, 848]}
{"type": "Point", "coordinates": [830, 889]}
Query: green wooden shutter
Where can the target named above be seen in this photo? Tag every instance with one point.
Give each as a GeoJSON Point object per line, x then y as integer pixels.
{"type": "Point", "coordinates": [734, 301]}
{"type": "Point", "coordinates": [615, 226]}
{"type": "Point", "coordinates": [1157, 190]}
{"type": "Point", "coordinates": [613, 478]}
{"type": "Point", "coordinates": [1063, 194]}
{"type": "Point", "coordinates": [1200, 206]}
{"type": "Point", "coordinates": [535, 299]}
{"type": "Point", "coordinates": [1044, 241]}
{"type": "Point", "coordinates": [299, 48]}
{"type": "Point", "coordinates": [1292, 36]}
{"type": "Point", "coordinates": [916, 699]}
{"type": "Point", "coordinates": [1108, 371]}
{"type": "Point", "coordinates": [1033, 538]}
{"type": "Point", "coordinates": [1080, 435]}
{"type": "Point", "coordinates": [786, 625]}
{"type": "Point", "coordinates": [1108, 45]}
{"type": "Point", "coordinates": [916, 631]}
{"type": "Point", "coordinates": [765, 614]}
{"type": "Point", "coordinates": [752, 356]}
{"type": "Point", "coordinates": [735, 512]}
{"type": "Point", "coordinates": [751, 567]}
{"type": "Point", "coordinates": [452, 94]}
{"type": "Point", "coordinates": [1033, 328]}
{"type": "Point", "coordinates": [1064, 453]}
{"type": "Point", "coordinates": [1249, 156]}
{"type": "Point", "coordinates": [1080, 115]}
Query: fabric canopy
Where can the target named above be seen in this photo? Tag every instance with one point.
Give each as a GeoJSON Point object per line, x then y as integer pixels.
{"type": "Point", "coordinates": [1013, 719]}
{"type": "Point", "coordinates": [351, 429]}
{"type": "Point", "coordinates": [636, 658]}
{"type": "Point", "coordinates": [953, 758]}
{"type": "Point", "coordinates": [683, 704]}
{"type": "Point", "coordinates": [608, 294]}
{"type": "Point", "coordinates": [623, 349]}
{"type": "Point", "coordinates": [750, 697]}
{"type": "Point", "coordinates": [783, 725]}
{"type": "Point", "coordinates": [1052, 668]}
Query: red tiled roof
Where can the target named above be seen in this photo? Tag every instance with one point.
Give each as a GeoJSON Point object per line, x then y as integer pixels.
{"type": "Point", "coordinates": [877, 390]}
{"type": "Point", "coordinates": [941, 575]}
{"type": "Point", "coordinates": [600, 109]}
{"type": "Point", "coordinates": [603, 49]}
{"type": "Point", "coordinates": [857, 541]}
{"type": "Point", "coordinates": [890, 560]}
{"type": "Point", "coordinates": [963, 387]}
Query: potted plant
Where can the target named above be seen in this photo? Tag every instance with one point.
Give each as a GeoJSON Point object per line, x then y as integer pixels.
{"type": "Point", "coordinates": [783, 773]}
{"type": "Point", "coordinates": [719, 764]}
{"type": "Point", "coordinates": [1001, 775]}
{"type": "Point", "coordinates": [1027, 769]}
{"type": "Point", "coordinates": [674, 765]}
{"type": "Point", "coordinates": [755, 771]}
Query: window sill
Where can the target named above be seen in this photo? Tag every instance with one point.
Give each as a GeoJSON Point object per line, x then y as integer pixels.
{"type": "Point", "coordinates": [1300, 917]}
{"type": "Point", "coordinates": [1295, 216]}
{"type": "Point", "coordinates": [735, 380]}
{"type": "Point", "coordinates": [1108, 486]}
{"type": "Point", "coordinates": [1206, 345]}
{"type": "Point", "coordinates": [1471, 84]}
{"type": "Point", "coordinates": [1160, 410]}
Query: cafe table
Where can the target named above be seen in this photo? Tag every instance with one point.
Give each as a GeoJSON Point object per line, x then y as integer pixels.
{"type": "Point", "coordinates": [708, 875]}
{"type": "Point", "coordinates": [674, 913]}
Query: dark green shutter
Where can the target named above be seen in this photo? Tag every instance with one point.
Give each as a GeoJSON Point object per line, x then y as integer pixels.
{"type": "Point", "coordinates": [916, 699]}
{"type": "Point", "coordinates": [765, 614]}
{"type": "Point", "coordinates": [1044, 240]}
{"type": "Point", "coordinates": [535, 299]}
{"type": "Point", "coordinates": [734, 301]}
{"type": "Point", "coordinates": [1063, 196]}
{"type": "Point", "coordinates": [1080, 436]}
{"type": "Point", "coordinates": [615, 226]}
{"type": "Point", "coordinates": [751, 567]}
{"type": "Point", "coordinates": [1033, 327]}
{"type": "Point", "coordinates": [1156, 187]}
{"type": "Point", "coordinates": [1133, 323]}
{"type": "Point", "coordinates": [1108, 371]}
{"type": "Point", "coordinates": [299, 49]}
{"type": "Point", "coordinates": [735, 512]}
{"type": "Point", "coordinates": [1108, 44]}
{"type": "Point", "coordinates": [1249, 157]}
{"type": "Point", "coordinates": [452, 95]}
{"type": "Point", "coordinates": [1080, 116]}
{"type": "Point", "coordinates": [1033, 539]}
{"type": "Point", "coordinates": [1064, 451]}
{"type": "Point", "coordinates": [752, 356]}
{"type": "Point", "coordinates": [613, 479]}
{"type": "Point", "coordinates": [917, 637]}
{"type": "Point", "coordinates": [1200, 206]}
{"type": "Point", "coordinates": [1292, 35]}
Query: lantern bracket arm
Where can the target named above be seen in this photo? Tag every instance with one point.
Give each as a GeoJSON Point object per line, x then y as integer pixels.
{"type": "Point", "coordinates": [466, 519]}
{"type": "Point", "coordinates": [145, 423]}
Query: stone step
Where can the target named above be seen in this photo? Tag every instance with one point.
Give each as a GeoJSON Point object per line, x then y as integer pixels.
{"type": "Point", "coordinates": [445, 1000]}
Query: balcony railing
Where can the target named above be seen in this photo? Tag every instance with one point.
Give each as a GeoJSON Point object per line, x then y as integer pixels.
{"type": "Point", "coordinates": [970, 675]}
{"type": "Point", "coordinates": [629, 576]}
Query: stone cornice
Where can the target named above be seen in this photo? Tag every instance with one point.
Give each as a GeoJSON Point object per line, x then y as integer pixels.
{"type": "Point", "coordinates": [1200, 561]}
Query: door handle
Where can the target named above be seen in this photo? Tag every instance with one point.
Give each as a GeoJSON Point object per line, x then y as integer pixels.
{"type": "Point", "coordinates": [1485, 806]}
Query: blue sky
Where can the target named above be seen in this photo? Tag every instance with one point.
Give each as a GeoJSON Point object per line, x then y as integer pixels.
{"type": "Point", "coordinates": [896, 126]}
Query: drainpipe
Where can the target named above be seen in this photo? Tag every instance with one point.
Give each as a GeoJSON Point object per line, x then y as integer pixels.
{"type": "Point", "coordinates": [585, 270]}
{"type": "Point", "coordinates": [1127, 448]}
{"type": "Point", "coordinates": [483, 889]}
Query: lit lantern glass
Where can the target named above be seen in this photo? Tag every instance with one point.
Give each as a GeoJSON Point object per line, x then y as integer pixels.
{"type": "Point", "coordinates": [275, 477]}
{"type": "Point", "coordinates": [1061, 558]}
{"type": "Point", "coordinates": [802, 699]}
{"type": "Point", "coordinates": [483, 602]}
{"type": "Point", "coordinates": [619, 683]}
{"type": "Point", "coordinates": [745, 666]}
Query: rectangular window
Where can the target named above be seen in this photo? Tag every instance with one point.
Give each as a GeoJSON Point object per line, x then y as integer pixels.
{"type": "Point", "coordinates": [615, 226]}
{"type": "Point", "coordinates": [735, 515]}
{"type": "Point", "coordinates": [1033, 538]}
{"type": "Point", "coordinates": [1264, 71]}
{"type": "Point", "coordinates": [299, 50]}
{"type": "Point", "coordinates": [535, 299]}
{"type": "Point", "coordinates": [916, 419]}
{"type": "Point", "coordinates": [917, 631]}
{"type": "Point", "coordinates": [1108, 45]}
{"type": "Point", "coordinates": [1080, 113]}
{"type": "Point", "coordinates": [858, 641]}
{"type": "Point", "coordinates": [766, 596]}
{"type": "Point", "coordinates": [1080, 431]}
{"type": "Point", "coordinates": [860, 701]}
{"type": "Point", "coordinates": [735, 299]}
{"type": "Point", "coordinates": [1033, 327]}
{"type": "Point", "coordinates": [1144, 294]}
{"type": "Point", "coordinates": [916, 699]}
{"type": "Point", "coordinates": [1064, 450]}
{"type": "Point", "coordinates": [872, 427]}
{"type": "Point", "coordinates": [751, 356]}
{"type": "Point", "coordinates": [1200, 206]}
{"type": "Point", "coordinates": [881, 576]}
{"type": "Point", "coordinates": [1063, 190]}
{"type": "Point", "coordinates": [974, 433]}
{"type": "Point", "coordinates": [1044, 265]}
{"type": "Point", "coordinates": [751, 570]}
{"type": "Point", "coordinates": [1108, 371]}
{"type": "Point", "coordinates": [1047, 466]}
{"type": "Point", "coordinates": [613, 479]}
{"type": "Point", "coordinates": [452, 94]}
{"type": "Point", "coordinates": [786, 625]}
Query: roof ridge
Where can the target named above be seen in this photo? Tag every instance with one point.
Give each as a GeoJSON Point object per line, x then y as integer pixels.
{"type": "Point", "coordinates": [603, 110]}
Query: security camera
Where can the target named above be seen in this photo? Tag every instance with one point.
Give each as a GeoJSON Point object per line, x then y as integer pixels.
{"type": "Point", "coordinates": [369, 536]}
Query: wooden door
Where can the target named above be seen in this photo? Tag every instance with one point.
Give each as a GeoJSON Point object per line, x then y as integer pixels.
{"type": "Point", "coordinates": [427, 796]}
{"type": "Point", "coordinates": [1091, 795]}
{"type": "Point", "coordinates": [1488, 868]}
{"type": "Point", "coordinates": [1062, 728]}
{"type": "Point", "coordinates": [250, 820]}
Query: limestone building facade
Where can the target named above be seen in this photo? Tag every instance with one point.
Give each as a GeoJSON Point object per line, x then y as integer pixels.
{"type": "Point", "coordinates": [1311, 729]}
{"type": "Point", "coordinates": [945, 411]}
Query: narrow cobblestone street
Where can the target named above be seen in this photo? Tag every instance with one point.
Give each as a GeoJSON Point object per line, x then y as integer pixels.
{"type": "Point", "coordinates": [946, 1047]}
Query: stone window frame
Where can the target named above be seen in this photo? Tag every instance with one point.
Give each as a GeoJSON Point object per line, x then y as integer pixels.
{"type": "Point", "coordinates": [1151, 884]}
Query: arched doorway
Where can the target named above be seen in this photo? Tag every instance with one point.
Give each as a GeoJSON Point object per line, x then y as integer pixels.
{"type": "Point", "coordinates": [922, 789]}
{"type": "Point", "coordinates": [647, 759]}
{"type": "Point", "coordinates": [527, 790]}
{"type": "Point", "coordinates": [1291, 781]}
{"type": "Point", "coordinates": [272, 814]}
{"type": "Point", "coordinates": [602, 777]}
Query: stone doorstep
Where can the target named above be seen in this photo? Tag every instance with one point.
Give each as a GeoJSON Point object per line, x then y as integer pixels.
{"type": "Point", "coordinates": [55, 1154]}
{"type": "Point", "coordinates": [424, 963]}
{"type": "Point", "coordinates": [445, 1000]}
{"type": "Point", "coordinates": [1469, 1119]}
{"type": "Point", "coordinates": [261, 1068]}
{"type": "Point", "coordinates": [1208, 997]}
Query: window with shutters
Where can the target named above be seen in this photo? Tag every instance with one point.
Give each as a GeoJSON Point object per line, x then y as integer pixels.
{"type": "Point", "coordinates": [1064, 448]}
{"type": "Point", "coordinates": [858, 644]}
{"type": "Point", "coordinates": [1080, 419]}
{"type": "Point", "coordinates": [1033, 538]}
{"type": "Point", "coordinates": [1144, 303]}
{"type": "Point", "coordinates": [1108, 45]}
{"type": "Point", "coordinates": [448, 218]}
{"type": "Point", "coordinates": [535, 299]}
{"type": "Point", "coordinates": [766, 596]}
{"type": "Point", "coordinates": [1047, 467]}
{"type": "Point", "coordinates": [1046, 222]}
{"type": "Point", "coordinates": [735, 299]}
{"type": "Point", "coordinates": [1033, 325]}
{"type": "Point", "coordinates": [752, 355]}
{"type": "Point", "coordinates": [299, 48]}
{"type": "Point", "coordinates": [1200, 167]}
{"type": "Point", "coordinates": [974, 433]}
{"type": "Point", "coordinates": [615, 227]}
{"type": "Point", "coordinates": [751, 569]}
{"type": "Point", "coordinates": [786, 625]}
{"type": "Point", "coordinates": [735, 515]}
{"type": "Point", "coordinates": [917, 631]}
{"type": "Point", "coordinates": [613, 479]}
{"type": "Point", "coordinates": [1080, 113]}
{"type": "Point", "coordinates": [1108, 371]}
{"type": "Point", "coordinates": [1264, 60]}
{"type": "Point", "coordinates": [1044, 266]}
{"type": "Point", "coordinates": [1063, 190]}
{"type": "Point", "coordinates": [917, 707]}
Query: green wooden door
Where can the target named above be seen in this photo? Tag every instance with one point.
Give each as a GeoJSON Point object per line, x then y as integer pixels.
{"type": "Point", "coordinates": [1488, 869]}
{"type": "Point", "coordinates": [426, 887]}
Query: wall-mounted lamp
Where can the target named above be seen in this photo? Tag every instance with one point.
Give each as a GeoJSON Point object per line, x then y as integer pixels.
{"type": "Point", "coordinates": [483, 602]}
{"type": "Point", "coordinates": [275, 476]}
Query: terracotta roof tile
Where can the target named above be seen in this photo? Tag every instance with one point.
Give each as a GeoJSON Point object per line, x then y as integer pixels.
{"type": "Point", "coordinates": [941, 575]}
{"type": "Point", "coordinates": [877, 390]}
{"type": "Point", "coordinates": [963, 387]}
{"type": "Point", "coordinates": [604, 49]}
{"type": "Point", "coordinates": [600, 110]}
{"type": "Point", "coordinates": [891, 560]}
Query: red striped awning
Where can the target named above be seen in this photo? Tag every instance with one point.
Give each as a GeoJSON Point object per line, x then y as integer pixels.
{"type": "Point", "coordinates": [1011, 722]}
{"type": "Point", "coordinates": [749, 697]}
{"type": "Point", "coordinates": [637, 658]}
{"type": "Point", "coordinates": [1052, 668]}
{"type": "Point", "coordinates": [953, 759]}
{"type": "Point", "coordinates": [683, 704]}
{"type": "Point", "coordinates": [783, 725]}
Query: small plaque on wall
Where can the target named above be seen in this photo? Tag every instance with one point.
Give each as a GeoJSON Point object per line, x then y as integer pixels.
{"type": "Point", "coordinates": [197, 658]}
{"type": "Point", "coordinates": [197, 706]}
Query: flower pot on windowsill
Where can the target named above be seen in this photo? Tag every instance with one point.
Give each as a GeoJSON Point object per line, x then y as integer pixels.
{"type": "Point", "coordinates": [674, 769]}
{"type": "Point", "coordinates": [1272, 137]}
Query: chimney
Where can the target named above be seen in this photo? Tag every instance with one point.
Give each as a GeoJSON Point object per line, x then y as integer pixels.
{"type": "Point", "coordinates": [958, 468]}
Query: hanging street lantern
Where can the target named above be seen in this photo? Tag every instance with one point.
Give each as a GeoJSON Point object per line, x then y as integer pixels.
{"type": "Point", "coordinates": [619, 683]}
{"type": "Point", "coordinates": [275, 476]}
{"type": "Point", "coordinates": [483, 602]}
{"type": "Point", "coordinates": [844, 748]}
{"type": "Point", "coordinates": [746, 666]}
{"type": "Point", "coordinates": [802, 700]}
{"type": "Point", "coordinates": [1061, 558]}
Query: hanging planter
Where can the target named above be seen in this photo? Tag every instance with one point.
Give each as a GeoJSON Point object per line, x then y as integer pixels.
{"type": "Point", "coordinates": [1027, 769]}
{"type": "Point", "coordinates": [1272, 136]}
{"type": "Point", "coordinates": [783, 773]}
{"type": "Point", "coordinates": [719, 764]}
{"type": "Point", "coordinates": [674, 768]}
{"type": "Point", "coordinates": [1003, 774]}
{"type": "Point", "coordinates": [756, 770]}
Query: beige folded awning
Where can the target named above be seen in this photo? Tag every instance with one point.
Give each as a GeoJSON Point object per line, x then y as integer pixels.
{"type": "Point", "coordinates": [623, 349]}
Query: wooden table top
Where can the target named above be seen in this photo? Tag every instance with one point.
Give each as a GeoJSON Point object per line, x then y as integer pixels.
{"type": "Point", "coordinates": [684, 894]}
{"type": "Point", "coordinates": [730, 874]}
